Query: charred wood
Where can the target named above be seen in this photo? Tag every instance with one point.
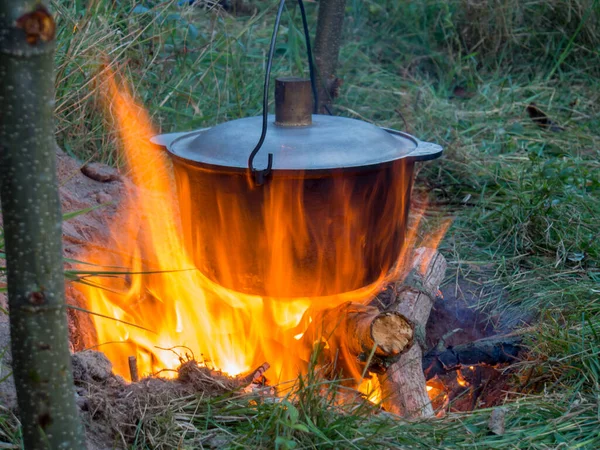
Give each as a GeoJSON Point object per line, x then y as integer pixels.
{"type": "Point", "coordinates": [256, 375]}
{"type": "Point", "coordinates": [490, 351]}
{"type": "Point", "coordinates": [133, 369]}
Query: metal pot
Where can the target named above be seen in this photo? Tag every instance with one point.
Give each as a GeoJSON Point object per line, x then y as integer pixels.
{"type": "Point", "coordinates": [331, 217]}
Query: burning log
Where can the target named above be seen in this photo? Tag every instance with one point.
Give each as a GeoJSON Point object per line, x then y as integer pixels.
{"type": "Point", "coordinates": [403, 385]}
{"type": "Point", "coordinates": [256, 381]}
{"type": "Point", "coordinates": [355, 335]}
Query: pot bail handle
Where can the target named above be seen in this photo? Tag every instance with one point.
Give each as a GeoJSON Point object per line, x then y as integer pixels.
{"type": "Point", "coordinates": [260, 175]}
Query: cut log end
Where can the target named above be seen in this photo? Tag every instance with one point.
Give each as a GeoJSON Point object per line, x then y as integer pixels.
{"type": "Point", "coordinates": [392, 333]}
{"type": "Point", "coordinates": [359, 337]}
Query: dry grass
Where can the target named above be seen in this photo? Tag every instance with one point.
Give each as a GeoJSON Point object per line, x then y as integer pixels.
{"type": "Point", "coordinates": [114, 410]}
{"type": "Point", "coordinates": [507, 26]}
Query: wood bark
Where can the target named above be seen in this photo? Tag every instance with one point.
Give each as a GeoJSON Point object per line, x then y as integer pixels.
{"type": "Point", "coordinates": [403, 385]}
{"type": "Point", "coordinates": [327, 48]}
{"type": "Point", "coordinates": [357, 335]}
{"type": "Point", "coordinates": [32, 229]}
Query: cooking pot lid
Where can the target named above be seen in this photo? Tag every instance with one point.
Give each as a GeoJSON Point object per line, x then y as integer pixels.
{"type": "Point", "coordinates": [331, 142]}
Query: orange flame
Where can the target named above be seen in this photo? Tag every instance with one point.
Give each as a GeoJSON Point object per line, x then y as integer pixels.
{"type": "Point", "coordinates": [179, 311]}
{"type": "Point", "coordinates": [436, 390]}
{"type": "Point", "coordinates": [432, 242]}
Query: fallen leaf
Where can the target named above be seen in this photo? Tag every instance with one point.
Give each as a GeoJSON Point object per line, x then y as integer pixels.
{"type": "Point", "coordinates": [541, 119]}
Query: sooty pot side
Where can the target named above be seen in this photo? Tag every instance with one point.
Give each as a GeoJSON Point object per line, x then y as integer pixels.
{"type": "Point", "coordinates": [297, 235]}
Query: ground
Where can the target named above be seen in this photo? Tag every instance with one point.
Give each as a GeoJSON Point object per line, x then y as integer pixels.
{"type": "Point", "coordinates": [524, 198]}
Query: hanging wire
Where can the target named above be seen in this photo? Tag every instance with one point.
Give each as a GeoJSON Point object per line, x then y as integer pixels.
{"type": "Point", "coordinates": [311, 67]}
{"type": "Point", "coordinates": [260, 175]}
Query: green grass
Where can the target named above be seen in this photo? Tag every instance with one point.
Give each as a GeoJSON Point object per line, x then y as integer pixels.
{"type": "Point", "coordinates": [311, 421]}
{"type": "Point", "coordinates": [525, 201]}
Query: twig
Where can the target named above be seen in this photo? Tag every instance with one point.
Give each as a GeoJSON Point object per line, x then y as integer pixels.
{"type": "Point", "coordinates": [133, 369]}
{"type": "Point", "coordinates": [255, 375]}
{"type": "Point", "coordinates": [406, 127]}
{"type": "Point", "coordinates": [181, 359]}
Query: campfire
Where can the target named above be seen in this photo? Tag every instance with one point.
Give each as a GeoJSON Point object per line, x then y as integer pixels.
{"type": "Point", "coordinates": [175, 303]}
{"type": "Point", "coordinates": [163, 305]}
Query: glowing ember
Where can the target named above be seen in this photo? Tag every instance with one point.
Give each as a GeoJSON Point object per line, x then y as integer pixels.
{"type": "Point", "coordinates": [460, 379]}
{"type": "Point", "coordinates": [178, 311]}
{"type": "Point", "coordinates": [436, 390]}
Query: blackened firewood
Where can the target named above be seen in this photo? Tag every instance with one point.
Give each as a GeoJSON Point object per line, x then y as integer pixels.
{"type": "Point", "coordinates": [490, 351]}
{"type": "Point", "coordinates": [256, 375]}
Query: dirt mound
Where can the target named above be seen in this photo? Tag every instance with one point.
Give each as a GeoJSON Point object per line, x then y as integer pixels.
{"type": "Point", "coordinates": [98, 193]}
{"type": "Point", "coordinates": [90, 195]}
{"type": "Point", "coordinates": [113, 410]}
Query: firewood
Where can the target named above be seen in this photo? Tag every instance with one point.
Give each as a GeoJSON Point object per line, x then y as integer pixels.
{"type": "Point", "coordinates": [493, 350]}
{"type": "Point", "coordinates": [356, 335]}
{"type": "Point", "coordinates": [256, 375]}
{"type": "Point", "coordinates": [403, 385]}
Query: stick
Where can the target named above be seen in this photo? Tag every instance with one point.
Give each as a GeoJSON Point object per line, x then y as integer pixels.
{"type": "Point", "coordinates": [133, 369]}
{"type": "Point", "coordinates": [255, 375]}
{"type": "Point", "coordinates": [403, 385]}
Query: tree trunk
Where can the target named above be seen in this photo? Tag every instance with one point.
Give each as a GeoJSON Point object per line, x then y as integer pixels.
{"type": "Point", "coordinates": [32, 229]}
{"type": "Point", "coordinates": [327, 49]}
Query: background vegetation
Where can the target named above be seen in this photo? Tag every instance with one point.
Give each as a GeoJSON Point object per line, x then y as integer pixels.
{"type": "Point", "coordinates": [525, 199]}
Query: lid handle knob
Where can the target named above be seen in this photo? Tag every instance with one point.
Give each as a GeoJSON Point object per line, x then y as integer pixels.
{"type": "Point", "coordinates": [293, 102]}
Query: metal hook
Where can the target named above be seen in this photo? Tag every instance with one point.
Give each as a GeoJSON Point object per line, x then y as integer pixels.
{"type": "Point", "coordinates": [260, 175]}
